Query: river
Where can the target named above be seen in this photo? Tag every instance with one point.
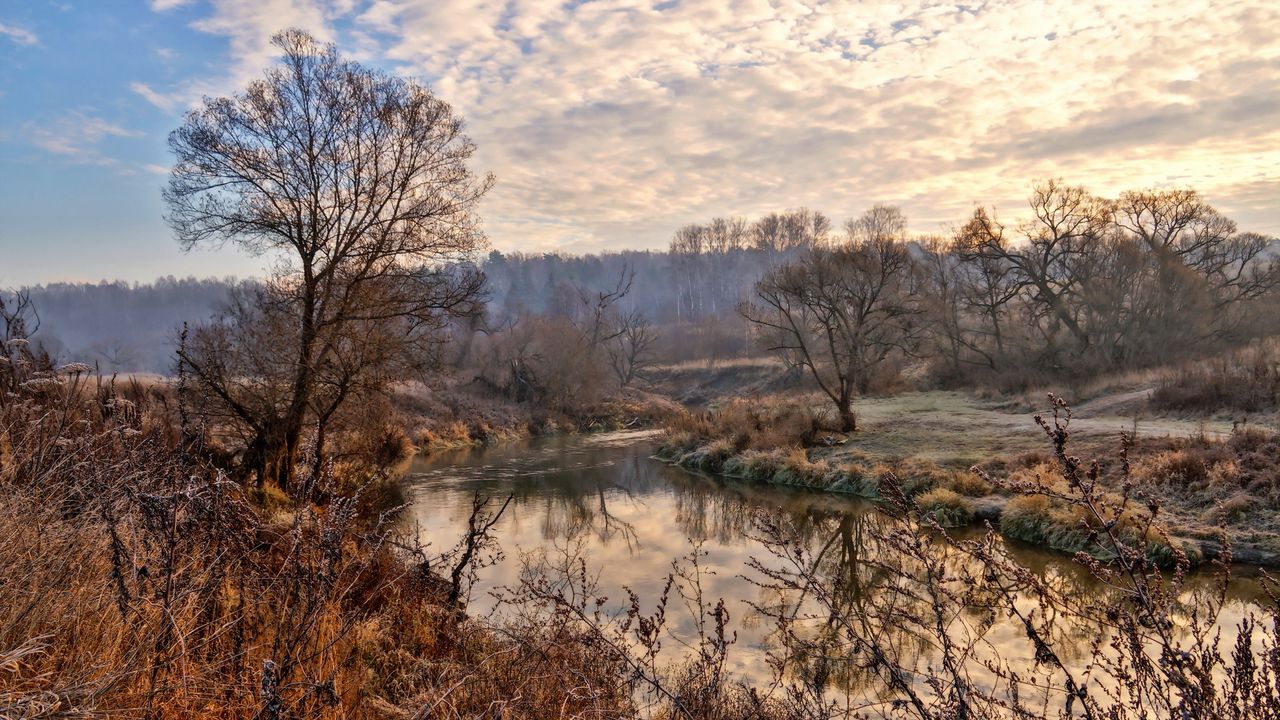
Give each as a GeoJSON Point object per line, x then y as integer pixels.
{"type": "Point", "coordinates": [632, 516]}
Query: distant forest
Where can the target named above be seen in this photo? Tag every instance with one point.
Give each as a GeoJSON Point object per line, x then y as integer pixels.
{"type": "Point", "coordinates": [126, 327]}
{"type": "Point", "coordinates": [1088, 284]}
{"type": "Point", "coordinates": [133, 327]}
{"type": "Point", "coordinates": [122, 327]}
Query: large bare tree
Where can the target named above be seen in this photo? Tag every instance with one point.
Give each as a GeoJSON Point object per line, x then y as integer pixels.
{"type": "Point", "coordinates": [355, 184]}
{"type": "Point", "coordinates": [841, 312]}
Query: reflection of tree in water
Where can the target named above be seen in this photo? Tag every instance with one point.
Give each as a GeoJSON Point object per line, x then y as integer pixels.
{"type": "Point", "coordinates": [883, 588]}
{"type": "Point", "coordinates": [865, 589]}
{"type": "Point", "coordinates": [724, 511]}
{"type": "Point", "coordinates": [573, 488]}
{"type": "Point", "coordinates": [585, 509]}
{"type": "Point", "coordinates": [873, 599]}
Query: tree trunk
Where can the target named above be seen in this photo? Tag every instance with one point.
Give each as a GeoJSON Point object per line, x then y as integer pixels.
{"type": "Point", "coordinates": [265, 457]}
{"type": "Point", "coordinates": [848, 419]}
{"type": "Point", "coordinates": [286, 447]}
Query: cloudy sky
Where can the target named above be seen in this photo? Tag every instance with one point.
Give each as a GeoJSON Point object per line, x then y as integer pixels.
{"type": "Point", "coordinates": [609, 123]}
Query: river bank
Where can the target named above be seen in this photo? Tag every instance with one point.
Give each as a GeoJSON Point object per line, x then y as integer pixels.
{"type": "Point", "coordinates": [432, 420]}
{"type": "Point", "coordinates": [963, 462]}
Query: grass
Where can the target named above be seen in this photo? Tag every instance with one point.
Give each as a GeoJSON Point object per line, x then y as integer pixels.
{"type": "Point", "coordinates": [1041, 516]}
{"type": "Point", "coordinates": [137, 580]}
{"type": "Point", "coordinates": [1209, 488]}
{"type": "Point", "coordinates": [946, 507]}
{"type": "Point", "coordinates": [455, 416]}
{"type": "Point", "coordinates": [795, 467]}
{"type": "Point", "coordinates": [1243, 381]}
{"type": "Point", "coordinates": [926, 442]}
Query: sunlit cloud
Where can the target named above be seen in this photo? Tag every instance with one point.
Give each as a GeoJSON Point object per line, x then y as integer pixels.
{"type": "Point", "coordinates": [160, 100]}
{"type": "Point", "coordinates": [248, 26]}
{"type": "Point", "coordinates": [166, 5]}
{"type": "Point", "coordinates": [610, 123]}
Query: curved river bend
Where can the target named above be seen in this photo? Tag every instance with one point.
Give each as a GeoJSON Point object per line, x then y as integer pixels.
{"type": "Point", "coordinates": [633, 516]}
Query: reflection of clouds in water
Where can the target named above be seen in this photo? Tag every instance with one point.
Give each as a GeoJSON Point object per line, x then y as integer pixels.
{"type": "Point", "coordinates": [634, 516]}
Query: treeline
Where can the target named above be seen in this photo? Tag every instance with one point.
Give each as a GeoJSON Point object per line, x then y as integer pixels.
{"type": "Point", "coordinates": [1149, 277]}
{"type": "Point", "coordinates": [693, 290]}
{"type": "Point", "coordinates": [706, 273]}
{"type": "Point", "coordinates": [1086, 285]}
{"type": "Point", "coordinates": [122, 327]}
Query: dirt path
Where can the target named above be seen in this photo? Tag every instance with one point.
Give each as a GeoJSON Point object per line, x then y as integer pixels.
{"type": "Point", "coordinates": [1120, 404]}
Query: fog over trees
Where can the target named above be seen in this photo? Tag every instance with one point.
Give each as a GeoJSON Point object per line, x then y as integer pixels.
{"type": "Point", "coordinates": [123, 327]}
{"type": "Point", "coordinates": [1085, 283]}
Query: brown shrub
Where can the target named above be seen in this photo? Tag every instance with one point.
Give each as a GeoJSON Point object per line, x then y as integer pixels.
{"type": "Point", "coordinates": [137, 581]}
{"type": "Point", "coordinates": [756, 424]}
{"type": "Point", "coordinates": [1246, 380]}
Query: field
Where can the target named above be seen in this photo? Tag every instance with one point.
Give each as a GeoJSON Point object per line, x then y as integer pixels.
{"type": "Point", "coordinates": [957, 429]}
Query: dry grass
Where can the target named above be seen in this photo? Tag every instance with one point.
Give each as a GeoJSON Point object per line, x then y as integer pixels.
{"type": "Point", "coordinates": [946, 507]}
{"type": "Point", "coordinates": [138, 581]}
{"type": "Point", "coordinates": [786, 442]}
{"type": "Point", "coordinates": [925, 442]}
{"type": "Point", "coordinates": [1042, 513]}
{"type": "Point", "coordinates": [1242, 381]}
{"type": "Point", "coordinates": [455, 415]}
{"type": "Point", "coordinates": [1207, 488]}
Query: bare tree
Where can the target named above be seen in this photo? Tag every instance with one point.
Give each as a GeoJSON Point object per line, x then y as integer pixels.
{"type": "Point", "coordinates": [18, 317]}
{"type": "Point", "coordinates": [597, 317]}
{"type": "Point", "coordinates": [356, 183]}
{"type": "Point", "coordinates": [1185, 235]}
{"type": "Point", "coordinates": [877, 223]}
{"type": "Point", "coordinates": [776, 234]}
{"type": "Point", "coordinates": [1114, 282]}
{"type": "Point", "coordinates": [631, 350]}
{"type": "Point", "coordinates": [115, 353]}
{"type": "Point", "coordinates": [842, 312]}
{"type": "Point", "coordinates": [19, 358]}
{"type": "Point", "coordinates": [1066, 222]}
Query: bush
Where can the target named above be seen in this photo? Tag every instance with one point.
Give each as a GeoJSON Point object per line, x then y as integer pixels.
{"type": "Point", "coordinates": [853, 480]}
{"type": "Point", "coordinates": [754, 465]}
{"type": "Point", "coordinates": [970, 484]}
{"type": "Point", "coordinates": [710, 457]}
{"type": "Point", "coordinates": [1028, 518]}
{"type": "Point", "coordinates": [1231, 509]}
{"type": "Point", "coordinates": [946, 508]}
{"type": "Point", "coordinates": [757, 424]}
{"type": "Point", "coordinates": [1247, 381]}
{"type": "Point", "coordinates": [1052, 523]}
{"type": "Point", "coordinates": [797, 470]}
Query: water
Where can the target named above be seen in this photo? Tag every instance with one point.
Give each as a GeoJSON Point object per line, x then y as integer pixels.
{"type": "Point", "coordinates": [632, 516]}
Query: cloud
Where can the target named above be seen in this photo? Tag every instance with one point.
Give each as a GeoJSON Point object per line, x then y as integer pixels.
{"type": "Point", "coordinates": [167, 5]}
{"type": "Point", "coordinates": [160, 100]}
{"type": "Point", "coordinates": [610, 123]}
{"type": "Point", "coordinates": [248, 26]}
{"type": "Point", "coordinates": [76, 136]}
{"type": "Point", "coordinates": [20, 35]}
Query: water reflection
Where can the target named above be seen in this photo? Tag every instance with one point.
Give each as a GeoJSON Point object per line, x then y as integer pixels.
{"type": "Point", "coordinates": [633, 516]}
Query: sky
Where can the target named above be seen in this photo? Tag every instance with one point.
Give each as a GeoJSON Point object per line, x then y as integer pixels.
{"type": "Point", "coordinates": [609, 123]}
